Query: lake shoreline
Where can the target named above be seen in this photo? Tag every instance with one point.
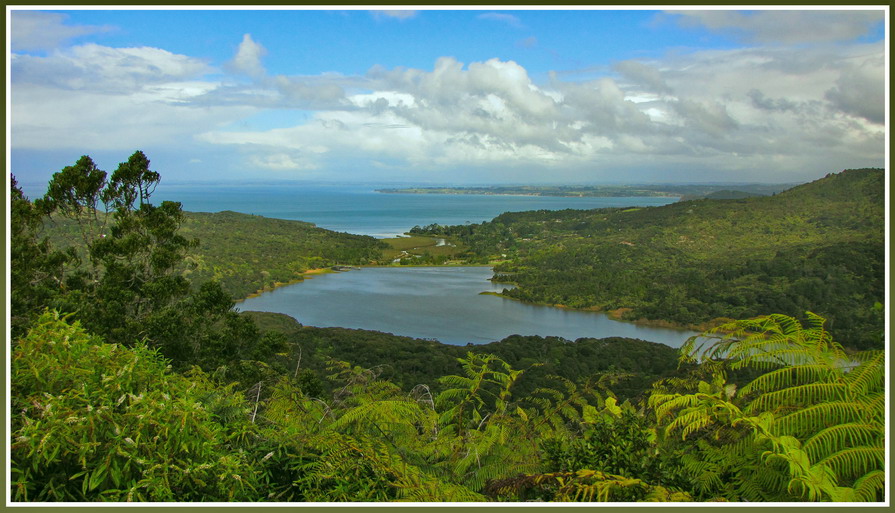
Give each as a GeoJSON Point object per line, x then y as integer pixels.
{"type": "Point", "coordinates": [305, 275]}
{"type": "Point", "coordinates": [615, 315]}
{"type": "Point", "coordinates": [310, 273]}
{"type": "Point", "coordinates": [618, 313]}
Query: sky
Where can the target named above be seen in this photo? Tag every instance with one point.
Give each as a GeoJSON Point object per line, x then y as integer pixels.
{"type": "Point", "coordinates": [450, 97]}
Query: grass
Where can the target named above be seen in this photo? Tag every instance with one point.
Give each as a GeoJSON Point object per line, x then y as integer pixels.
{"type": "Point", "coordinates": [419, 245]}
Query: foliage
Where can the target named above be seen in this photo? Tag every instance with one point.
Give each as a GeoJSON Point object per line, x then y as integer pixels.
{"type": "Point", "coordinates": [811, 426]}
{"type": "Point", "coordinates": [409, 362]}
{"type": "Point", "coordinates": [36, 268]}
{"type": "Point", "coordinates": [100, 422]}
{"type": "Point", "coordinates": [247, 253]}
{"type": "Point", "coordinates": [130, 250]}
{"type": "Point", "coordinates": [818, 246]}
{"type": "Point", "coordinates": [120, 273]}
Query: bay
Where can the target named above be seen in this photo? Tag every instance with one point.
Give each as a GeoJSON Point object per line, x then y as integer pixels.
{"type": "Point", "coordinates": [440, 303]}
{"type": "Point", "coordinates": [359, 209]}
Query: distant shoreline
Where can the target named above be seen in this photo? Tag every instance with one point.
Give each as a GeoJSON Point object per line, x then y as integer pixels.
{"type": "Point", "coordinates": [616, 315]}
{"type": "Point", "coordinates": [681, 192]}
{"type": "Point", "coordinates": [462, 191]}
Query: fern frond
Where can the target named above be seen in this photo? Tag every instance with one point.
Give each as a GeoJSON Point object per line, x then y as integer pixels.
{"type": "Point", "coordinates": [790, 376]}
{"type": "Point", "coordinates": [871, 486]}
{"type": "Point", "coordinates": [811, 419]}
{"type": "Point", "coordinates": [839, 437]}
{"type": "Point", "coordinates": [869, 375]}
{"type": "Point", "coordinates": [384, 412]}
{"type": "Point", "coordinates": [855, 461]}
{"type": "Point", "coordinates": [690, 422]}
{"type": "Point", "coordinates": [800, 396]}
{"type": "Point", "coordinates": [874, 406]}
{"type": "Point", "coordinates": [664, 404]}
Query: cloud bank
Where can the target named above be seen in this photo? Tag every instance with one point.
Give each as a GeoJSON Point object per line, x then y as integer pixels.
{"type": "Point", "coordinates": [751, 113]}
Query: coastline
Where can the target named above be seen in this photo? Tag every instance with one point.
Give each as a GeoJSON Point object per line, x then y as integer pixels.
{"type": "Point", "coordinates": [530, 195]}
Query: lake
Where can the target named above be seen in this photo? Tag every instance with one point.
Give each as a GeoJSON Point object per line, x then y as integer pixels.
{"type": "Point", "coordinates": [441, 303]}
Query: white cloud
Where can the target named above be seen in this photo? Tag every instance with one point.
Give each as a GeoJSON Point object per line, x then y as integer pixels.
{"type": "Point", "coordinates": [248, 58]}
{"type": "Point", "coordinates": [92, 67]}
{"type": "Point", "coordinates": [859, 91]}
{"type": "Point", "coordinates": [731, 110]}
{"type": "Point", "coordinates": [644, 74]}
{"type": "Point", "coordinates": [281, 162]}
{"type": "Point", "coordinates": [97, 98]}
{"type": "Point", "coordinates": [38, 30]}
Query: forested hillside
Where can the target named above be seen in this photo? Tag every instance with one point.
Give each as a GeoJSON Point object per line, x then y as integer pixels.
{"type": "Point", "coordinates": [246, 253]}
{"type": "Point", "coordinates": [130, 382]}
{"type": "Point", "coordinates": [819, 246]}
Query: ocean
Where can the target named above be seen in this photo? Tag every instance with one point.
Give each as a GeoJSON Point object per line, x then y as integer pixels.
{"type": "Point", "coordinates": [361, 210]}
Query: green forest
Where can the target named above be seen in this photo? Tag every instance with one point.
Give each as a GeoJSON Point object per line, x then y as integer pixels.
{"type": "Point", "coordinates": [818, 246]}
{"type": "Point", "coordinates": [134, 379]}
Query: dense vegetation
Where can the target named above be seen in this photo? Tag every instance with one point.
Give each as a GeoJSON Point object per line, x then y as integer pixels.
{"type": "Point", "coordinates": [130, 383]}
{"type": "Point", "coordinates": [246, 253]}
{"type": "Point", "coordinates": [279, 250]}
{"type": "Point", "coordinates": [97, 421]}
{"type": "Point", "coordinates": [407, 362]}
{"type": "Point", "coordinates": [817, 246]}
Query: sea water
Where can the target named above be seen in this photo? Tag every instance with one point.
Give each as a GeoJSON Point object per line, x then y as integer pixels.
{"type": "Point", "coordinates": [361, 210]}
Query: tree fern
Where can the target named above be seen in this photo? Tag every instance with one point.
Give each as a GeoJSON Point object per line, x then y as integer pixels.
{"type": "Point", "coordinates": [816, 410]}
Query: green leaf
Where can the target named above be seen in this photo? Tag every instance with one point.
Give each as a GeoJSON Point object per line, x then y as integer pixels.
{"type": "Point", "coordinates": [612, 407]}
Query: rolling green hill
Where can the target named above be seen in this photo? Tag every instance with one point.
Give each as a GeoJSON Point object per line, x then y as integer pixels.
{"type": "Point", "coordinates": [817, 247]}
{"type": "Point", "coordinates": [246, 253]}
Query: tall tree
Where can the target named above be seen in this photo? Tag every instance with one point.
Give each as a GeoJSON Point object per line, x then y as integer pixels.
{"type": "Point", "coordinates": [132, 246]}
{"type": "Point", "coordinates": [37, 271]}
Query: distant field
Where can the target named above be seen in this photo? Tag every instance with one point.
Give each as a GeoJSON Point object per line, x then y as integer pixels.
{"type": "Point", "coordinates": [421, 249]}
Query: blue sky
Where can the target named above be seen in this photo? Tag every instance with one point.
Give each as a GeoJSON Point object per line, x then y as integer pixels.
{"type": "Point", "coordinates": [450, 96]}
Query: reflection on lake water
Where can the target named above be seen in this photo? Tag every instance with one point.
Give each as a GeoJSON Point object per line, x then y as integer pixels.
{"type": "Point", "coordinates": [441, 303]}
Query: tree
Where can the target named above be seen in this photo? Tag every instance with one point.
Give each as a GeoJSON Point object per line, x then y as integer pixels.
{"type": "Point", "coordinates": [37, 271]}
{"type": "Point", "coordinates": [131, 248]}
{"type": "Point", "coordinates": [124, 277]}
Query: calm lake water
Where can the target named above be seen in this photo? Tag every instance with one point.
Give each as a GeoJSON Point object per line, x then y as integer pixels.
{"type": "Point", "coordinates": [441, 303]}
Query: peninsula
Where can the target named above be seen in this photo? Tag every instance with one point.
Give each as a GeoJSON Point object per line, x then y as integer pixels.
{"type": "Point", "coordinates": [682, 191]}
